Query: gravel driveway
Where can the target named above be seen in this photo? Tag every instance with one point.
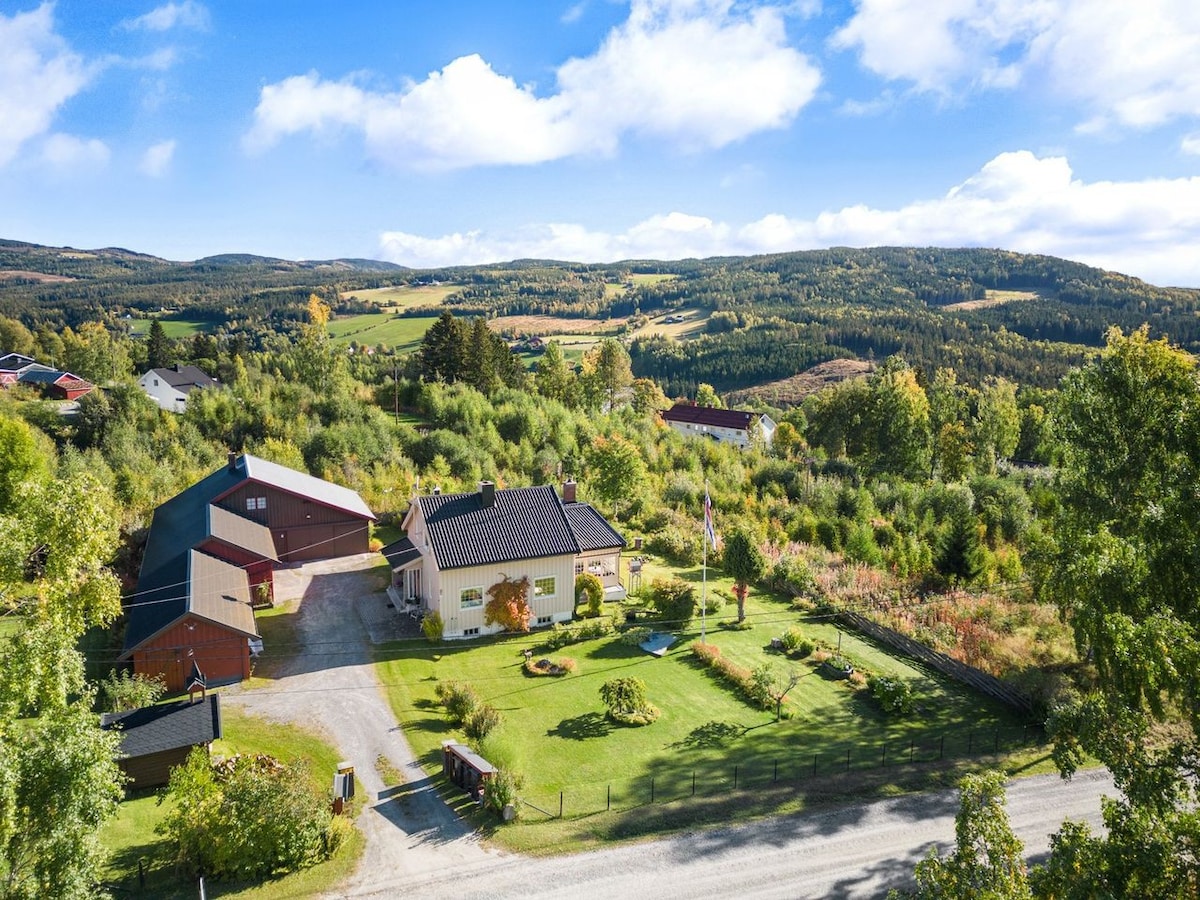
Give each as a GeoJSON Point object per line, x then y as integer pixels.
{"type": "Point", "coordinates": [330, 686]}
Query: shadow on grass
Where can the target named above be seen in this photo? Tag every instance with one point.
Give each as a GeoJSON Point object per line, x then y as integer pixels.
{"type": "Point", "coordinates": [710, 734]}
{"type": "Point", "coordinates": [581, 728]}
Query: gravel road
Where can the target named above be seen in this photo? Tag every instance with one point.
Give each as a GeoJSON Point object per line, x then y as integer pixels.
{"type": "Point", "coordinates": [417, 847]}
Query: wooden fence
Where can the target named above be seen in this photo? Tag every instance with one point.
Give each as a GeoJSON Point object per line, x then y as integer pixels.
{"type": "Point", "coordinates": [959, 671]}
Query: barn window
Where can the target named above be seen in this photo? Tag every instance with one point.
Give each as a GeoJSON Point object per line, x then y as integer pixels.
{"type": "Point", "coordinates": [253, 503]}
{"type": "Point", "coordinates": [470, 598]}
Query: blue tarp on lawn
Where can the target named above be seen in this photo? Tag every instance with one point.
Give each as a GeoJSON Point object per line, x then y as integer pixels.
{"type": "Point", "coordinates": [658, 642]}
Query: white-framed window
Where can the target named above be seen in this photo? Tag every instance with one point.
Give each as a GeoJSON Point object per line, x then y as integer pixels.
{"type": "Point", "coordinates": [253, 503]}
{"type": "Point", "coordinates": [543, 620]}
{"type": "Point", "coordinates": [470, 598]}
{"type": "Point", "coordinates": [544, 586]}
{"type": "Point", "coordinates": [470, 632]}
{"type": "Point", "coordinates": [579, 567]}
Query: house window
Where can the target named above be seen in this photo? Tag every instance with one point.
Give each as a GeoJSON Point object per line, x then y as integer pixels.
{"type": "Point", "coordinates": [156, 382]}
{"type": "Point", "coordinates": [544, 587]}
{"type": "Point", "coordinates": [578, 567]}
{"type": "Point", "coordinates": [543, 620]}
{"type": "Point", "coordinates": [470, 632]}
{"type": "Point", "coordinates": [470, 598]}
{"type": "Point", "coordinates": [253, 503]}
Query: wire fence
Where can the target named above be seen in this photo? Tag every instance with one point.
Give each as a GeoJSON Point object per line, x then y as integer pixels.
{"type": "Point", "coordinates": [823, 761]}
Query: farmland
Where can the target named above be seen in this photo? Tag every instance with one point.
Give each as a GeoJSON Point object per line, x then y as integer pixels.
{"type": "Point", "coordinates": [401, 333]}
{"type": "Point", "coordinates": [172, 328]}
{"type": "Point", "coordinates": [402, 297]}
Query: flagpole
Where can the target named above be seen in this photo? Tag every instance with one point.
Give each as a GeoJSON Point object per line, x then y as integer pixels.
{"type": "Point", "coordinates": [704, 570]}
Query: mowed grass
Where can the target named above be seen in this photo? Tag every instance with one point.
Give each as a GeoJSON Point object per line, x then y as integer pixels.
{"type": "Point", "coordinates": [405, 296]}
{"type": "Point", "coordinates": [556, 735]}
{"type": "Point", "coordinates": [401, 333]}
{"type": "Point", "coordinates": [694, 324]}
{"type": "Point", "coordinates": [131, 836]}
{"type": "Point", "coordinates": [172, 328]}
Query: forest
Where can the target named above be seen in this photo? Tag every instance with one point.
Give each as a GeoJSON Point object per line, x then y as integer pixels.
{"type": "Point", "coordinates": [1011, 485]}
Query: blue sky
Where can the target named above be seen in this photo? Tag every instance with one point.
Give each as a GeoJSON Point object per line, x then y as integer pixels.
{"type": "Point", "coordinates": [466, 132]}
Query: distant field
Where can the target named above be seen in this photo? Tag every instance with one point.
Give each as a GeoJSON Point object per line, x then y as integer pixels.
{"type": "Point", "coordinates": [554, 325]}
{"type": "Point", "coordinates": [402, 334]}
{"type": "Point", "coordinates": [615, 289]}
{"type": "Point", "coordinates": [405, 296]}
{"type": "Point", "coordinates": [792, 391]}
{"type": "Point", "coordinates": [996, 298]}
{"type": "Point", "coordinates": [693, 324]}
{"type": "Point", "coordinates": [172, 328]}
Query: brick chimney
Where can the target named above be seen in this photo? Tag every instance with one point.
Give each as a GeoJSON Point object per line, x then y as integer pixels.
{"type": "Point", "coordinates": [487, 494]}
{"type": "Point", "coordinates": [568, 490]}
{"type": "Point", "coordinates": [232, 458]}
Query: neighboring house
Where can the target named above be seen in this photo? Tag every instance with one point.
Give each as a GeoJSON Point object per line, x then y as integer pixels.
{"type": "Point", "coordinates": [210, 557]}
{"type": "Point", "coordinates": [169, 387]}
{"type": "Point", "coordinates": [459, 545]}
{"type": "Point", "coordinates": [16, 368]}
{"type": "Point", "coordinates": [730, 426]}
{"type": "Point", "coordinates": [155, 739]}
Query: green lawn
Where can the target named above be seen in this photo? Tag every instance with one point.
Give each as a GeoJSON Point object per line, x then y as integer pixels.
{"type": "Point", "coordinates": [130, 835]}
{"type": "Point", "coordinates": [398, 332]}
{"type": "Point", "coordinates": [556, 736]}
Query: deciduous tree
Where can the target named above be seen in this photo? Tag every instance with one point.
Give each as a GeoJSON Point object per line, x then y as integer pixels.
{"type": "Point", "coordinates": [744, 562]}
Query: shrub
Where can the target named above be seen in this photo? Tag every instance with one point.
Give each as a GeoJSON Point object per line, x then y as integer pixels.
{"type": "Point", "coordinates": [796, 644]}
{"type": "Point", "coordinates": [678, 546]}
{"type": "Point", "coordinates": [561, 635]}
{"type": "Point", "coordinates": [635, 637]}
{"type": "Point", "coordinates": [564, 665]}
{"type": "Point", "coordinates": [590, 590]}
{"type": "Point", "coordinates": [459, 699]}
{"type": "Point", "coordinates": [675, 599]}
{"type": "Point", "coordinates": [892, 694]}
{"type": "Point", "coordinates": [730, 672]}
{"type": "Point", "coordinates": [480, 721]}
{"type": "Point", "coordinates": [432, 627]}
{"type": "Point", "coordinates": [792, 576]}
{"type": "Point", "coordinates": [501, 791]}
{"type": "Point", "coordinates": [626, 701]}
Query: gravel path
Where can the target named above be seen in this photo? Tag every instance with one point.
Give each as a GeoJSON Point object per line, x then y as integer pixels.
{"type": "Point", "coordinates": [330, 686]}
{"type": "Point", "coordinates": [417, 847]}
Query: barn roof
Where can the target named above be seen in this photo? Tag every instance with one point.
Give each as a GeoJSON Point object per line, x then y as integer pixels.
{"type": "Point", "coordinates": [167, 726]}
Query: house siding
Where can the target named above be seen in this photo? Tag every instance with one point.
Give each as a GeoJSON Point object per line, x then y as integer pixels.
{"type": "Point", "coordinates": [444, 597]}
{"type": "Point", "coordinates": [222, 655]}
{"type": "Point", "coordinates": [302, 528]}
{"type": "Point", "coordinates": [154, 769]}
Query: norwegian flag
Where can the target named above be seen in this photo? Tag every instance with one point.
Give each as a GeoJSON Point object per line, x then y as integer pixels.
{"type": "Point", "coordinates": [709, 530]}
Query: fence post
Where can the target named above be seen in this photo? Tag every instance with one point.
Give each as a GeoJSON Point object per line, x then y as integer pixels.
{"type": "Point", "coordinates": [942, 747]}
{"type": "Point", "coordinates": [815, 765]}
{"type": "Point", "coordinates": [775, 777]}
{"type": "Point", "coordinates": [141, 872]}
{"type": "Point", "coordinates": [996, 742]}
{"type": "Point", "coordinates": [651, 788]}
{"type": "Point", "coordinates": [693, 782]}
{"type": "Point", "coordinates": [970, 742]}
{"type": "Point", "coordinates": [911, 746]}
{"type": "Point", "coordinates": [847, 759]}
{"type": "Point", "coordinates": [1024, 734]}
{"type": "Point", "coordinates": [735, 775]}
{"type": "Point", "coordinates": [884, 766]}
{"type": "Point", "coordinates": [560, 804]}
{"type": "Point", "coordinates": [608, 803]}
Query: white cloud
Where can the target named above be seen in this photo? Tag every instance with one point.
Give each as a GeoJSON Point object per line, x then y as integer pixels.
{"type": "Point", "coordinates": [1017, 201]}
{"type": "Point", "coordinates": [156, 161]}
{"type": "Point", "coordinates": [38, 74]}
{"type": "Point", "coordinates": [701, 73]}
{"type": "Point", "coordinates": [187, 14]}
{"type": "Point", "coordinates": [1129, 63]}
{"type": "Point", "coordinates": [1191, 144]}
{"type": "Point", "coordinates": [69, 153]}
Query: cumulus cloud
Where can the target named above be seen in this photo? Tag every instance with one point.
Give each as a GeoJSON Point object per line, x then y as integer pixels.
{"type": "Point", "coordinates": [700, 73]}
{"type": "Point", "coordinates": [156, 161]}
{"type": "Point", "coordinates": [187, 14]}
{"type": "Point", "coordinates": [38, 74]}
{"type": "Point", "coordinates": [69, 153]}
{"type": "Point", "coordinates": [1016, 201]}
{"type": "Point", "coordinates": [1191, 144]}
{"type": "Point", "coordinates": [1131, 64]}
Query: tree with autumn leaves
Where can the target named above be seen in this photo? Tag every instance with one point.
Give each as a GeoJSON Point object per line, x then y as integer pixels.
{"type": "Point", "coordinates": [509, 604]}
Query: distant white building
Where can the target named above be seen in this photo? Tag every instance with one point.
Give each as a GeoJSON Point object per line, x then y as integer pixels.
{"type": "Point", "coordinates": [728, 426]}
{"type": "Point", "coordinates": [169, 387]}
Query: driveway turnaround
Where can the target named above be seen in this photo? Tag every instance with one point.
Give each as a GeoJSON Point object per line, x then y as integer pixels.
{"type": "Point", "coordinates": [417, 847]}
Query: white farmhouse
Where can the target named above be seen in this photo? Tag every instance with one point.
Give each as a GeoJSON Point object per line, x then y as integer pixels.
{"type": "Point", "coordinates": [169, 387]}
{"type": "Point", "coordinates": [459, 545]}
{"type": "Point", "coordinates": [730, 426]}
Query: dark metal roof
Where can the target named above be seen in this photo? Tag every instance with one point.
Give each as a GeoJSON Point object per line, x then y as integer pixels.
{"type": "Point", "coordinates": [522, 523]}
{"type": "Point", "coordinates": [591, 529]}
{"type": "Point", "coordinates": [239, 531]}
{"type": "Point", "coordinates": [708, 415]}
{"type": "Point", "coordinates": [400, 553]}
{"type": "Point", "coordinates": [185, 378]}
{"type": "Point", "coordinates": [169, 726]}
{"type": "Point", "coordinates": [190, 583]}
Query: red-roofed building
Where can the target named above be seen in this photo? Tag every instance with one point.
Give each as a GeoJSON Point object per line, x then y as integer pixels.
{"type": "Point", "coordinates": [728, 426]}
